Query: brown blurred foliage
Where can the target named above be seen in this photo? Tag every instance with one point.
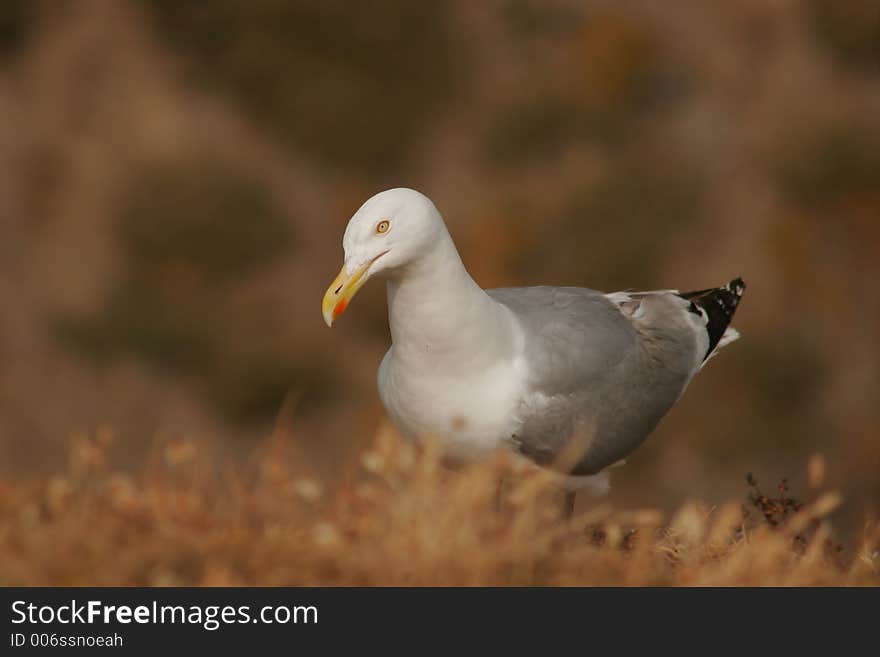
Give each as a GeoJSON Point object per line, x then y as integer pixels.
{"type": "Point", "coordinates": [399, 518]}
{"type": "Point", "coordinates": [176, 178]}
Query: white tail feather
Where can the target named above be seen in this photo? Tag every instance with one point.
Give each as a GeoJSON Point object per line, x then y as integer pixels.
{"type": "Point", "coordinates": [730, 335]}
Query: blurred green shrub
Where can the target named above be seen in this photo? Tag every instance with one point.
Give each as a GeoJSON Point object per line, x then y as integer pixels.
{"type": "Point", "coordinates": [615, 232]}
{"type": "Point", "coordinates": [530, 18]}
{"type": "Point", "coordinates": [620, 71]}
{"type": "Point", "coordinates": [16, 20]}
{"type": "Point", "coordinates": [779, 378]}
{"type": "Point", "coordinates": [203, 217]}
{"type": "Point", "coordinates": [532, 130]}
{"type": "Point", "coordinates": [350, 84]}
{"type": "Point", "coordinates": [850, 29]}
{"type": "Point", "coordinates": [189, 233]}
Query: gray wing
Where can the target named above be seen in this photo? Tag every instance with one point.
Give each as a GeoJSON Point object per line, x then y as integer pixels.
{"type": "Point", "coordinates": [603, 369]}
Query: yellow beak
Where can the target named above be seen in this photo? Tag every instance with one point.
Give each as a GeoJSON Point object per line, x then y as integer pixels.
{"type": "Point", "coordinates": [341, 292]}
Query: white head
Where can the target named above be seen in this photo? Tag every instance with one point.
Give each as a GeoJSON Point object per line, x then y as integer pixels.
{"type": "Point", "coordinates": [391, 230]}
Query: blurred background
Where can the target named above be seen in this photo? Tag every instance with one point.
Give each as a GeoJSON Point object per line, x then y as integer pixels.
{"type": "Point", "coordinates": [175, 179]}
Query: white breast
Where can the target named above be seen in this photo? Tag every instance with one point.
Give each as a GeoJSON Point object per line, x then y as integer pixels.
{"type": "Point", "coordinates": [470, 414]}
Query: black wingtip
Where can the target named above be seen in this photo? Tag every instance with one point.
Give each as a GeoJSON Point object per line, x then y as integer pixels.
{"type": "Point", "coordinates": [737, 286]}
{"type": "Point", "coordinates": [719, 305]}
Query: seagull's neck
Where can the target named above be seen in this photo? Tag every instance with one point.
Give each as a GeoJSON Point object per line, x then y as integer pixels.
{"type": "Point", "coordinates": [440, 318]}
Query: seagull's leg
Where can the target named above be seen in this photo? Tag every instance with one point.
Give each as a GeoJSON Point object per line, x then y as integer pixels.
{"type": "Point", "coordinates": [568, 507]}
{"type": "Point", "coordinates": [499, 495]}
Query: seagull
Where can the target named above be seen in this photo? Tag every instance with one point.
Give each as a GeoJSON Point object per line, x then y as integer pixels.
{"type": "Point", "coordinates": [572, 378]}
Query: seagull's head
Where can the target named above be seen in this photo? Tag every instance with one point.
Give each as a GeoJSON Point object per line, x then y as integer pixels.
{"type": "Point", "coordinates": [391, 230]}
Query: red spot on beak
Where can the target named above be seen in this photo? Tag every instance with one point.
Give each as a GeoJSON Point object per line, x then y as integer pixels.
{"type": "Point", "coordinates": [340, 308]}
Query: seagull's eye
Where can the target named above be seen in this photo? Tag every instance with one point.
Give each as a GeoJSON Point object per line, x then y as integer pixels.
{"type": "Point", "coordinates": [383, 226]}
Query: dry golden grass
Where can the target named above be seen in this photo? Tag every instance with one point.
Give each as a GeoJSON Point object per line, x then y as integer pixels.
{"type": "Point", "coordinates": [402, 519]}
